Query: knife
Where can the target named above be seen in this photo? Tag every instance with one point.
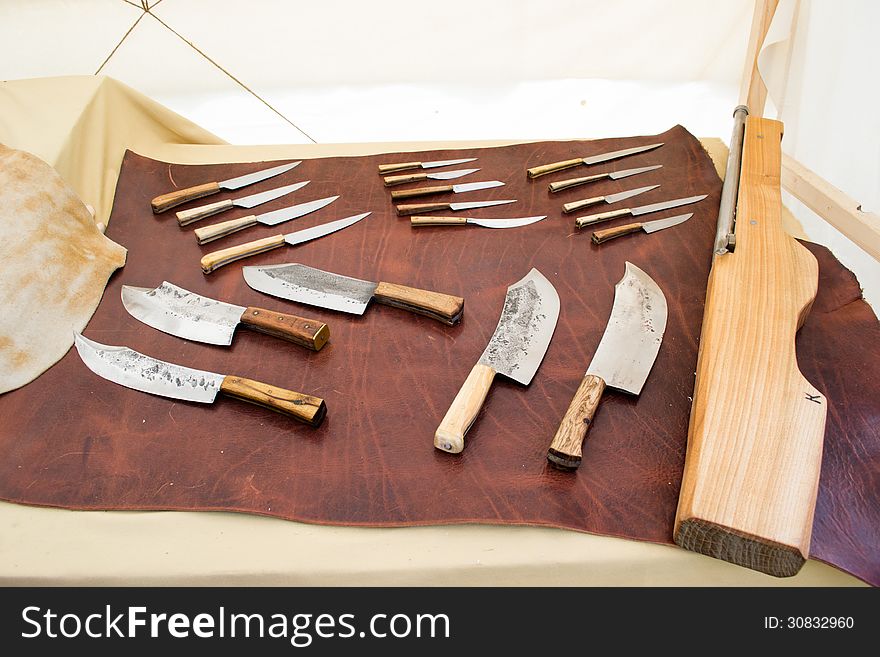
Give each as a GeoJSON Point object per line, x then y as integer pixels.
{"type": "Point", "coordinates": [649, 227]}
{"type": "Point", "coordinates": [415, 208]}
{"type": "Point", "coordinates": [437, 175]}
{"type": "Point", "coordinates": [609, 198]}
{"type": "Point", "coordinates": [613, 175]}
{"type": "Point", "coordinates": [185, 217]}
{"type": "Point", "coordinates": [403, 166]}
{"type": "Point", "coordinates": [580, 222]}
{"type": "Point", "coordinates": [486, 223]}
{"type": "Point", "coordinates": [351, 295]}
{"type": "Point", "coordinates": [213, 232]}
{"type": "Point", "coordinates": [515, 350]}
{"type": "Point", "coordinates": [175, 198]}
{"type": "Point", "coordinates": [217, 259]}
{"type": "Point", "coordinates": [534, 172]}
{"type": "Point", "coordinates": [442, 189]}
{"type": "Point", "coordinates": [623, 359]}
{"type": "Point", "coordinates": [187, 315]}
{"type": "Point", "coordinates": [135, 370]}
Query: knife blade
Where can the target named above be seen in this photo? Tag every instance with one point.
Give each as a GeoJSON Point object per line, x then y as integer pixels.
{"type": "Point", "coordinates": [217, 259]}
{"type": "Point", "coordinates": [516, 349]}
{"type": "Point", "coordinates": [191, 316]}
{"type": "Point", "coordinates": [601, 236]}
{"type": "Point", "coordinates": [436, 175]}
{"type": "Point", "coordinates": [185, 217]}
{"type": "Point", "coordinates": [559, 185]}
{"type": "Point", "coordinates": [609, 198]}
{"type": "Point", "coordinates": [326, 289]}
{"type": "Point", "coordinates": [486, 223]}
{"type": "Point", "coordinates": [534, 172]}
{"type": "Point", "coordinates": [623, 360]}
{"type": "Point", "coordinates": [443, 189]}
{"type": "Point", "coordinates": [403, 166]}
{"type": "Point", "coordinates": [590, 219]}
{"type": "Point", "coordinates": [131, 369]}
{"type": "Point", "coordinates": [175, 198]}
{"type": "Point", "coordinates": [415, 208]}
{"type": "Point", "coordinates": [216, 231]}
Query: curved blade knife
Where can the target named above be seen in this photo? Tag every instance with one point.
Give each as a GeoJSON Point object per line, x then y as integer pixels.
{"type": "Point", "coordinates": [445, 189]}
{"type": "Point", "coordinates": [186, 217]}
{"type": "Point", "coordinates": [486, 223]}
{"type": "Point", "coordinates": [415, 208]}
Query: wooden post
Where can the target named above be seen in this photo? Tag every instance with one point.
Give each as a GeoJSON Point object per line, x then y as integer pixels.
{"type": "Point", "coordinates": [753, 92]}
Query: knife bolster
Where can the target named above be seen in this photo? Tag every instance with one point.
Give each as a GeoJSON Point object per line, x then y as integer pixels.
{"type": "Point", "coordinates": [565, 450]}
{"type": "Point", "coordinates": [449, 436]}
{"type": "Point", "coordinates": [213, 232]}
{"type": "Point", "coordinates": [217, 259]}
{"type": "Point", "coordinates": [173, 199]}
{"type": "Point", "coordinates": [304, 408]}
{"type": "Point", "coordinates": [309, 333]}
{"type": "Point", "coordinates": [442, 307]}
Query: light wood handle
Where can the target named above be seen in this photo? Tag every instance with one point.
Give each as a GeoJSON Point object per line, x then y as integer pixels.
{"type": "Point", "coordinates": [400, 166]}
{"type": "Point", "coordinates": [185, 217]}
{"type": "Point", "coordinates": [438, 221]}
{"type": "Point", "coordinates": [449, 436]}
{"type": "Point", "coordinates": [406, 178]}
{"type": "Point", "coordinates": [309, 333]}
{"type": "Point", "coordinates": [217, 259]}
{"type": "Point", "coordinates": [213, 232]}
{"type": "Point", "coordinates": [442, 307]}
{"type": "Point", "coordinates": [173, 199]}
{"type": "Point", "coordinates": [304, 408]}
{"type": "Point", "coordinates": [610, 233]}
{"type": "Point", "coordinates": [590, 219]}
{"type": "Point", "coordinates": [415, 208]}
{"type": "Point", "coordinates": [544, 169]}
{"type": "Point", "coordinates": [565, 450]}
{"type": "Point", "coordinates": [559, 185]}
{"type": "Point", "coordinates": [577, 205]}
{"type": "Point", "coordinates": [421, 191]}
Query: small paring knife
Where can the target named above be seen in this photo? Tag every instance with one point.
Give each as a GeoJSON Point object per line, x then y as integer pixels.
{"type": "Point", "coordinates": [404, 166]}
{"type": "Point", "coordinates": [560, 185]}
{"type": "Point", "coordinates": [415, 208]}
{"type": "Point", "coordinates": [513, 222]}
{"type": "Point", "coordinates": [390, 181]}
{"type": "Point", "coordinates": [543, 170]}
{"type": "Point", "coordinates": [608, 199]}
{"type": "Point", "coordinates": [590, 219]}
{"type": "Point", "coordinates": [601, 236]}
{"type": "Point", "coordinates": [445, 189]}
{"type": "Point", "coordinates": [186, 217]}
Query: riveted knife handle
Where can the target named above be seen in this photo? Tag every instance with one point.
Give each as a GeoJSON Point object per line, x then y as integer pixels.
{"type": "Point", "coordinates": [185, 217]}
{"type": "Point", "coordinates": [309, 333]}
{"type": "Point", "coordinates": [406, 178]}
{"type": "Point", "coordinates": [304, 408]}
{"type": "Point", "coordinates": [559, 185]}
{"type": "Point", "coordinates": [421, 191]}
{"type": "Point", "coordinates": [577, 205]}
{"type": "Point", "coordinates": [217, 259]}
{"type": "Point", "coordinates": [449, 436]}
{"type": "Point", "coordinates": [565, 451]}
{"type": "Point", "coordinates": [213, 232]}
{"type": "Point", "coordinates": [610, 233]}
{"type": "Point", "coordinates": [590, 219]}
{"type": "Point", "coordinates": [544, 169]}
{"type": "Point", "coordinates": [173, 199]}
{"type": "Point", "coordinates": [438, 221]}
{"type": "Point", "coordinates": [415, 208]}
{"type": "Point", "coordinates": [400, 166]}
{"type": "Point", "coordinates": [442, 307]}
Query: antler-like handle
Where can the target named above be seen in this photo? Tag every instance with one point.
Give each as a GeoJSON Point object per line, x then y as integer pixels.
{"type": "Point", "coordinates": [544, 169]}
{"type": "Point", "coordinates": [185, 217]}
{"type": "Point", "coordinates": [415, 208]}
{"type": "Point", "coordinates": [577, 205]}
{"type": "Point", "coordinates": [213, 232]}
{"type": "Point", "coordinates": [565, 451]}
{"type": "Point", "coordinates": [442, 307]}
{"type": "Point", "coordinates": [173, 199]}
{"type": "Point", "coordinates": [559, 185]}
{"type": "Point", "coordinates": [304, 408]}
{"type": "Point", "coordinates": [400, 166]}
{"type": "Point", "coordinates": [449, 436]}
{"type": "Point", "coordinates": [590, 219]}
{"type": "Point", "coordinates": [438, 221]}
{"type": "Point", "coordinates": [309, 333]}
{"type": "Point", "coordinates": [217, 259]}
{"type": "Point", "coordinates": [421, 191]}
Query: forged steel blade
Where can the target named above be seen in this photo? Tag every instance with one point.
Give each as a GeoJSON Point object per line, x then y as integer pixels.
{"type": "Point", "coordinates": [605, 157]}
{"type": "Point", "coordinates": [665, 205]}
{"type": "Point", "coordinates": [312, 286]}
{"type": "Point", "coordinates": [629, 346]}
{"type": "Point", "coordinates": [616, 175]}
{"type": "Point", "coordinates": [477, 204]}
{"type": "Point", "coordinates": [669, 222]}
{"type": "Point", "coordinates": [135, 370]}
{"type": "Point", "coordinates": [523, 334]}
{"type": "Point", "coordinates": [449, 175]}
{"type": "Point", "coordinates": [256, 176]}
{"type": "Point", "coordinates": [286, 214]}
{"type": "Point", "coordinates": [300, 236]}
{"type": "Point", "coordinates": [264, 197]}
{"type": "Point", "coordinates": [446, 163]}
{"type": "Point", "coordinates": [505, 223]}
{"type": "Point", "coordinates": [474, 186]}
{"type": "Point", "coordinates": [619, 196]}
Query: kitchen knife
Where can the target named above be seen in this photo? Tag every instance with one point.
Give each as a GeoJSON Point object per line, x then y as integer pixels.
{"type": "Point", "coordinates": [609, 198]}
{"type": "Point", "coordinates": [187, 315]}
{"type": "Point", "coordinates": [185, 217]}
{"type": "Point", "coordinates": [515, 350]}
{"type": "Point", "coordinates": [649, 227]}
{"type": "Point", "coordinates": [534, 172]}
{"type": "Point", "coordinates": [217, 259]}
{"type": "Point", "coordinates": [415, 208]}
{"type": "Point", "coordinates": [559, 185]}
{"type": "Point", "coordinates": [437, 175]}
{"type": "Point", "coordinates": [175, 198]}
{"type": "Point", "coordinates": [445, 189]}
{"type": "Point", "coordinates": [580, 222]}
{"type": "Point", "coordinates": [135, 370]}
{"type": "Point", "coordinates": [623, 359]}
{"type": "Point", "coordinates": [351, 295]}
{"type": "Point", "coordinates": [403, 166]}
{"type": "Point", "coordinates": [213, 232]}
{"type": "Point", "coordinates": [486, 223]}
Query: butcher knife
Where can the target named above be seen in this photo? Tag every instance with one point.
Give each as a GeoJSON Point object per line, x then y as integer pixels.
{"type": "Point", "coordinates": [191, 316]}
{"type": "Point", "coordinates": [486, 223]}
{"type": "Point", "coordinates": [608, 198]}
{"type": "Point", "coordinates": [436, 175]}
{"type": "Point", "coordinates": [325, 289]}
{"type": "Point", "coordinates": [534, 172]}
{"type": "Point", "coordinates": [404, 166]}
{"type": "Point", "coordinates": [649, 227]}
{"type": "Point", "coordinates": [623, 359]}
{"type": "Point", "coordinates": [185, 217]}
{"type": "Point", "coordinates": [515, 350]}
{"type": "Point", "coordinates": [135, 370]}
{"type": "Point", "coordinates": [445, 189]}
{"type": "Point", "coordinates": [173, 199]}
{"type": "Point", "coordinates": [415, 208]}
{"type": "Point", "coordinates": [590, 219]}
{"type": "Point", "coordinates": [559, 185]}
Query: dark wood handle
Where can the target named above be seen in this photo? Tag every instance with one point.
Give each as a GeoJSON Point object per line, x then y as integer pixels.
{"type": "Point", "coordinates": [173, 199]}
{"type": "Point", "coordinates": [400, 166]}
{"type": "Point", "coordinates": [421, 191]}
{"type": "Point", "coordinates": [217, 259]}
{"type": "Point", "coordinates": [544, 169]}
{"type": "Point", "coordinates": [304, 408]}
{"type": "Point", "coordinates": [442, 307]}
{"type": "Point", "coordinates": [213, 232]}
{"type": "Point", "coordinates": [309, 333]}
{"type": "Point", "coordinates": [438, 221]}
{"type": "Point", "coordinates": [185, 217]}
{"type": "Point", "coordinates": [559, 185]}
{"type": "Point", "coordinates": [565, 450]}
{"type": "Point", "coordinates": [406, 178]}
{"type": "Point", "coordinates": [577, 205]}
{"type": "Point", "coordinates": [610, 233]}
{"type": "Point", "coordinates": [415, 208]}
{"type": "Point", "coordinates": [590, 219]}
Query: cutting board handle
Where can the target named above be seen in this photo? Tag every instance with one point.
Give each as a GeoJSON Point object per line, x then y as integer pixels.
{"type": "Point", "coordinates": [173, 199]}
{"type": "Point", "coordinates": [304, 408]}
{"type": "Point", "coordinates": [442, 307]}
{"type": "Point", "coordinates": [449, 436]}
{"type": "Point", "coordinates": [309, 333]}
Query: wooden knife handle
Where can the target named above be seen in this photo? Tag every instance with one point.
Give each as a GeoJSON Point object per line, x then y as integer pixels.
{"type": "Point", "coordinates": [565, 450]}
{"type": "Point", "coordinates": [213, 232]}
{"type": "Point", "coordinates": [185, 217]}
{"type": "Point", "coordinates": [309, 333]}
{"type": "Point", "coordinates": [610, 233]}
{"type": "Point", "coordinates": [421, 191]}
{"type": "Point", "coordinates": [559, 185]}
{"type": "Point", "coordinates": [590, 219]}
{"type": "Point", "coordinates": [173, 199]}
{"type": "Point", "coordinates": [442, 307]}
{"type": "Point", "coordinates": [415, 208]}
{"type": "Point", "coordinates": [544, 169]}
{"type": "Point", "coordinates": [304, 408]}
{"type": "Point", "coordinates": [438, 221]}
{"type": "Point", "coordinates": [400, 166]}
{"type": "Point", "coordinates": [406, 178]}
{"type": "Point", "coordinates": [577, 205]}
{"type": "Point", "coordinates": [449, 436]}
{"type": "Point", "coordinates": [217, 259]}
